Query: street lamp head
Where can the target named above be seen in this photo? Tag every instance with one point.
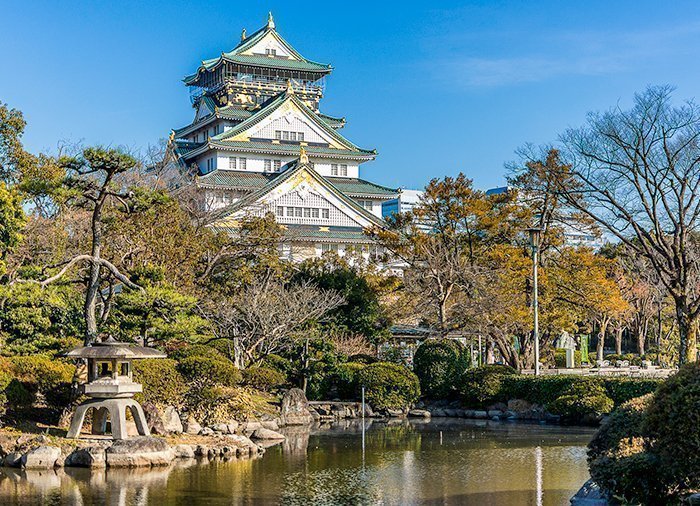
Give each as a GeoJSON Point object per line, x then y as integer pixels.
{"type": "Point", "coordinates": [535, 234]}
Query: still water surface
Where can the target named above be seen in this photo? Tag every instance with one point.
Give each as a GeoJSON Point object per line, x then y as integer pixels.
{"type": "Point", "coordinates": [446, 461]}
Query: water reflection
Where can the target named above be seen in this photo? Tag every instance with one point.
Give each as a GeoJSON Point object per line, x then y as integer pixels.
{"type": "Point", "coordinates": [441, 462]}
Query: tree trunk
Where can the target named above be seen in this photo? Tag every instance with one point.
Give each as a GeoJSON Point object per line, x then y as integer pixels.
{"type": "Point", "coordinates": [490, 355]}
{"type": "Point", "coordinates": [601, 340]}
{"type": "Point", "coordinates": [642, 338]}
{"type": "Point", "coordinates": [93, 284]}
{"type": "Point", "coordinates": [618, 340]}
{"type": "Point", "coordinates": [688, 332]}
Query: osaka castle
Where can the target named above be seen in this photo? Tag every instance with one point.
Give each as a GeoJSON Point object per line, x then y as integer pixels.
{"type": "Point", "coordinates": [260, 144]}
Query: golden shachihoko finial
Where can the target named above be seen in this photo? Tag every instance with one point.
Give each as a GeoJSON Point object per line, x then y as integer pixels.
{"type": "Point", "coordinates": [270, 21]}
{"type": "Point", "coordinates": [243, 35]}
{"type": "Point", "coordinates": [303, 157]}
{"type": "Point", "coordinates": [290, 88]}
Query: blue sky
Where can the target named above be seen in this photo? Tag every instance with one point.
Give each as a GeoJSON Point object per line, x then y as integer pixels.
{"type": "Point", "coordinates": [436, 87]}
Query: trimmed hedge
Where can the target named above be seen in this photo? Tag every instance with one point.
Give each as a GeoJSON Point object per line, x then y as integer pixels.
{"type": "Point", "coordinates": [437, 363]}
{"type": "Point", "coordinates": [584, 401]}
{"type": "Point", "coordinates": [546, 389]}
{"type": "Point", "coordinates": [342, 382]}
{"type": "Point", "coordinates": [263, 378]}
{"type": "Point", "coordinates": [673, 425]}
{"type": "Point", "coordinates": [389, 386]}
{"type": "Point", "coordinates": [163, 385]}
{"type": "Point", "coordinates": [28, 375]}
{"type": "Point", "coordinates": [483, 385]}
{"type": "Point", "coordinates": [210, 370]}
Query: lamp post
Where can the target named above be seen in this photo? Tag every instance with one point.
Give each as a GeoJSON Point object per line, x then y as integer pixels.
{"type": "Point", "coordinates": [535, 235]}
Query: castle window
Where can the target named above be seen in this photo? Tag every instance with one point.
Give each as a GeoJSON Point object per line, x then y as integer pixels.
{"type": "Point", "coordinates": [314, 212]}
{"type": "Point", "coordinates": [300, 136]}
{"type": "Point", "coordinates": [334, 169]}
{"type": "Point", "coordinates": [242, 163]}
{"type": "Point", "coordinates": [290, 211]}
{"type": "Point", "coordinates": [280, 211]}
{"type": "Point", "coordinates": [307, 212]}
{"type": "Point", "coordinates": [271, 52]}
{"type": "Point", "coordinates": [277, 165]}
{"type": "Point", "coordinates": [324, 214]}
{"type": "Point", "coordinates": [278, 134]}
{"type": "Point", "coordinates": [325, 248]}
{"type": "Point", "coordinates": [232, 162]}
{"type": "Point", "coordinates": [268, 165]}
{"type": "Point", "coordinates": [292, 136]}
{"type": "Point", "coordinates": [367, 204]}
{"type": "Point", "coordinates": [343, 170]}
{"type": "Point", "coordinates": [298, 212]}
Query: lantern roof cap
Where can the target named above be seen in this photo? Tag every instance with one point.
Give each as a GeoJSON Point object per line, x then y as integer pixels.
{"type": "Point", "coordinates": [111, 348]}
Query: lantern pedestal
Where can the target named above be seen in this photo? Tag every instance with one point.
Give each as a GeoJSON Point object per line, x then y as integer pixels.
{"type": "Point", "coordinates": [116, 409]}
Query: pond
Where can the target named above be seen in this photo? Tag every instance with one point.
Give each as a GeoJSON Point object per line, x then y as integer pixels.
{"type": "Point", "coordinates": [446, 461]}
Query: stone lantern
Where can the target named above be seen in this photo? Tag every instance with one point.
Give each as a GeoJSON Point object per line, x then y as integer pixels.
{"type": "Point", "coordinates": [110, 387]}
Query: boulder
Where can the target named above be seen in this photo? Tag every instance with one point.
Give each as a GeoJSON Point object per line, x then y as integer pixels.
{"type": "Point", "coordinates": [232, 426]}
{"type": "Point", "coordinates": [295, 408]}
{"type": "Point", "coordinates": [206, 431]}
{"type": "Point", "coordinates": [451, 412]}
{"type": "Point", "coordinates": [263, 433]}
{"type": "Point", "coordinates": [13, 459]}
{"type": "Point", "coordinates": [589, 495]}
{"type": "Point", "coordinates": [220, 427]}
{"type": "Point", "coordinates": [249, 427]}
{"type": "Point", "coordinates": [183, 452]}
{"type": "Point", "coordinates": [7, 444]}
{"type": "Point", "coordinates": [270, 424]}
{"type": "Point", "coordinates": [91, 456]}
{"type": "Point", "coordinates": [241, 441]}
{"type": "Point", "coordinates": [191, 426]}
{"type": "Point", "coordinates": [171, 421]}
{"type": "Point", "coordinates": [154, 418]}
{"type": "Point", "coordinates": [480, 415]}
{"type": "Point", "coordinates": [419, 413]}
{"type": "Point", "coordinates": [42, 457]}
{"type": "Point", "coordinates": [519, 405]}
{"type": "Point", "coordinates": [139, 452]}
{"type": "Point", "coordinates": [494, 413]}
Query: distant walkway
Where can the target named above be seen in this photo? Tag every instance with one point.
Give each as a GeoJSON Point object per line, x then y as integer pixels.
{"type": "Point", "coordinates": [630, 372]}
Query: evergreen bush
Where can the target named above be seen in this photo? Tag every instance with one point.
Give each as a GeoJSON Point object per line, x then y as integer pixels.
{"type": "Point", "coordinates": [263, 378]}
{"type": "Point", "coordinates": [342, 382]}
{"type": "Point", "coordinates": [389, 385]}
{"type": "Point", "coordinates": [210, 371]}
{"type": "Point", "coordinates": [583, 402]}
{"type": "Point", "coordinates": [483, 385]}
{"type": "Point", "coordinates": [673, 426]}
{"type": "Point", "coordinates": [163, 385]}
{"type": "Point", "coordinates": [437, 363]}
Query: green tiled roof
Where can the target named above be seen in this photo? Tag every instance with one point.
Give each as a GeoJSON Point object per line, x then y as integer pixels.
{"type": "Point", "coordinates": [291, 149]}
{"type": "Point", "coordinates": [294, 167]}
{"type": "Point", "coordinates": [242, 180]}
{"type": "Point", "coordinates": [238, 113]}
{"type": "Point", "coordinates": [235, 56]}
{"type": "Point", "coordinates": [360, 187]}
{"type": "Point", "coordinates": [315, 234]}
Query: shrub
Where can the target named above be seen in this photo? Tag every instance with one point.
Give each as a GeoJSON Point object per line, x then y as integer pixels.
{"type": "Point", "coordinates": [483, 385]}
{"type": "Point", "coordinates": [624, 422]}
{"type": "Point", "coordinates": [362, 358]}
{"type": "Point", "coordinates": [263, 378]}
{"type": "Point", "coordinates": [210, 371]}
{"type": "Point", "coordinates": [278, 363]}
{"type": "Point", "coordinates": [342, 382]}
{"type": "Point", "coordinates": [211, 404]}
{"type": "Point", "coordinates": [437, 364]}
{"type": "Point", "coordinates": [539, 390]}
{"type": "Point", "coordinates": [389, 385]}
{"type": "Point", "coordinates": [163, 384]}
{"type": "Point", "coordinates": [621, 390]}
{"type": "Point", "coordinates": [560, 358]}
{"type": "Point", "coordinates": [673, 425]}
{"type": "Point", "coordinates": [196, 350]}
{"type": "Point", "coordinates": [592, 357]}
{"type": "Point", "coordinates": [584, 401]}
{"type": "Point", "coordinates": [20, 394]}
{"type": "Point", "coordinates": [43, 375]}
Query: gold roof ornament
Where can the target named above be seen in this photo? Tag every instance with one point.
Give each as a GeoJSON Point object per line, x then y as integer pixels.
{"type": "Point", "coordinates": [270, 21]}
{"type": "Point", "coordinates": [303, 157]}
{"type": "Point", "coordinates": [171, 137]}
{"type": "Point", "coordinates": [243, 35]}
{"type": "Point", "coordinates": [290, 88]}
